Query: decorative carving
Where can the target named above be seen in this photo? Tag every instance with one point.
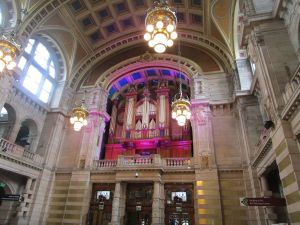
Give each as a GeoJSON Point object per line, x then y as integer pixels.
{"type": "Point", "coordinates": [146, 57]}
{"type": "Point", "coordinates": [205, 160]}
{"type": "Point", "coordinates": [200, 114]}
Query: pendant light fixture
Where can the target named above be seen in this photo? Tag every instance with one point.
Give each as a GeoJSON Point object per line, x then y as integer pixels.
{"type": "Point", "coordinates": [181, 106]}
{"type": "Point", "coordinates": [160, 22]}
{"type": "Point", "coordinates": [9, 50]}
{"type": "Point", "coordinates": [79, 116]}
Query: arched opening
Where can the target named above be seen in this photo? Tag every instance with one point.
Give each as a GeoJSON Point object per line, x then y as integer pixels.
{"type": "Point", "coordinates": [7, 121]}
{"type": "Point", "coordinates": [27, 135]}
{"type": "Point", "coordinates": [10, 184]}
{"type": "Point", "coordinates": [141, 122]}
{"type": "Point", "coordinates": [5, 206]}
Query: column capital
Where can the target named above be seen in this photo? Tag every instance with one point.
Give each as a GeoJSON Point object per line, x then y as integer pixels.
{"type": "Point", "coordinates": [102, 114]}
{"type": "Point", "coordinates": [200, 112]}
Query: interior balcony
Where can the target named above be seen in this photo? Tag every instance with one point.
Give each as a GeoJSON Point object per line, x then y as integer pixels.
{"type": "Point", "coordinates": [152, 162]}
{"type": "Point", "coordinates": [263, 146]}
{"type": "Point", "coordinates": [291, 95]}
{"type": "Point", "coordinates": [12, 153]}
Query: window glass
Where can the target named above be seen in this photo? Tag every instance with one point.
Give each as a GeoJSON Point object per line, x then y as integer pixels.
{"type": "Point", "coordinates": [32, 79]}
{"type": "Point", "coordinates": [41, 55]}
{"type": "Point", "coordinates": [1, 16]}
{"type": "Point", "coordinates": [29, 46]}
{"type": "Point", "coordinates": [3, 112]}
{"type": "Point", "coordinates": [38, 66]}
{"type": "Point", "coordinates": [52, 70]}
{"type": "Point", "coordinates": [22, 62]}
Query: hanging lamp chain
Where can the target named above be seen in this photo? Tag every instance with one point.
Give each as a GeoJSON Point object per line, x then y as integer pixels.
{"type": "Point", "coordinates": [179, 65]}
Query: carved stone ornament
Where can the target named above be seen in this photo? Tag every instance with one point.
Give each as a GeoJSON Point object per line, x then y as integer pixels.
{"type": "Point", "coordinates": [200, 115]}
{"type": "Point", "coordinates": [146, 57]}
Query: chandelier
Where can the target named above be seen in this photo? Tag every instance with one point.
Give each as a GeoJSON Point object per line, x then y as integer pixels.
{"type": "Point", "coordinates": [9, 50]}
{"type": "Point", "coordinates": [79, 117]}
{"type": "Point", "coordinates": [181, 106]}
{"type": "Point", "coordinates": [160, 25]}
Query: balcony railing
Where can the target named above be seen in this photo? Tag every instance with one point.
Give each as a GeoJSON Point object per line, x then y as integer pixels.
{"type": "Point", "coordinates": [147, 133]}
{"type": "Point", "coordinates": [16, 151]}
{"type": "Point", "coordinates": [150, 162]}
{"type": "Point", "coordinates": [263, 145]}
{"type": "Point", "coordinates": [291, 94]}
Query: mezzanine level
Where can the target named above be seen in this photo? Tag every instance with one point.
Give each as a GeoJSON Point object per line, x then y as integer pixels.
{"type": "Point", "coordinates": [13, 153]}
{"type": "Point", "coordinates": [291, 95]}
{"type": "Point", "coordinates": [144, 162]}
{"type": "Point", "coordinates": [262, 147]}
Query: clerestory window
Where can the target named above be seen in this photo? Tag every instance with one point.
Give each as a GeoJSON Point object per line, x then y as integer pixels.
{"type": "Point", "coordinates": [38, 66]}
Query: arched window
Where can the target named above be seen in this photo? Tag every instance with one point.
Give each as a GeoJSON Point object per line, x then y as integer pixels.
{"type": "Point", "coordinates": [1, 14]}
{"type": "Point", "coordinates": [38, 66]}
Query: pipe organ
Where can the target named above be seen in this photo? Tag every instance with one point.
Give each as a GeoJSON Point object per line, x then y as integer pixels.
{"type": "Point", "coordinates": [141, 124]}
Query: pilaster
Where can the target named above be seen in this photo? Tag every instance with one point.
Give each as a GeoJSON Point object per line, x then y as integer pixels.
{"type": "Point", "coordinates": [118, 207]}
{"type": "Point", "coordinates": [158, 208]}
{"type": "Point", "coordinates": [6, 85]}
{"type": "Point", "coordinates": [288, 161]}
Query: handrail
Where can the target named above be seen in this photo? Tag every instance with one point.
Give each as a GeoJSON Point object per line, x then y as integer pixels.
{"type": "Point", "coordinates": [15, 150]}
{"type": "Point", "coordinates": [263, 140]}
{"type": "Point", "coordinates": [292, 88]}
{"type": "Point", "coordinates": [136, 161]}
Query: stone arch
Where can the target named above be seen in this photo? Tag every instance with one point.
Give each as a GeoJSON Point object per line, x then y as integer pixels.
{"type": "Point", "coordinates": [220, 53]}
{"type": "Point", "coordinates": [7, 121]}
{"type": "Point", "coordinates": [27, 135]}
{"type": "Point", "coordinates": [189, 68]}
{"type": "Point", "coordinates": [6, 206]}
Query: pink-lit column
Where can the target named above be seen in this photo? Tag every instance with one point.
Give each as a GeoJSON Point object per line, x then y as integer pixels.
{"type": "Point", "coordinates": [92, 134]}
{"type": "Point", "coordinates": [202, 133]}
{"type": "Point", "coordinates": [113, 119]}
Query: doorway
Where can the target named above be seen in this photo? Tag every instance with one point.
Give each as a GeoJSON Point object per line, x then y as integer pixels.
{"type": "Point", "coordinates": [138, 204]}
{"type": "Point", "coordinates": [179, 204]}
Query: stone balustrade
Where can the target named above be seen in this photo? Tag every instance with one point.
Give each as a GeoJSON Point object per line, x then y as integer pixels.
{"type": "Point", "coordinates": [262, 146]}
{"type": "Point", "coordinates": [291, 95]}
{"type": "Point", "coordinates": [152, 161]}
{"type": "Point", "coordinates": [10, 149]}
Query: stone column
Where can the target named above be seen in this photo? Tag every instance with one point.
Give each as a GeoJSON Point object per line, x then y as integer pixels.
{"type": "Point", "coordinates": [158, 209]}
{"type": "Point", "coordinates": [6, 86]}
{"type": "Point", "coordinates": [270, 216]}
{"type": "Point", "coordinates": [14, 133]}
{"type": "Point", "coordinates": [202, 134]}
{"type": "Point", "coordinates": [92, 135]}
{"type": "Point", "coordinates": [288, 161]}
{"type": "Point", "coordinates": [93, 132]}
{"type": "Point", "coordinates": [207, 190]}
{"type": "Point", "coordinates": [25, 205]}
{"type": "Point", "coordinates": [118, 205]}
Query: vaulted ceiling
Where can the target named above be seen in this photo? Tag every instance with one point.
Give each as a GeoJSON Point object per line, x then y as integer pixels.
{"type": "Point", "coordinates": [91, 32]}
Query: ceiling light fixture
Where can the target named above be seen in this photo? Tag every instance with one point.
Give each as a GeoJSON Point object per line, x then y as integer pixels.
{"type": "Point", "coordinates": [79, 117]}
{"type": "Point", "coordinates": [160, 25]}
{"type": "Point", "coordinates": [9, 50]}
{"type": "Point", "coordinates": [181, 106]}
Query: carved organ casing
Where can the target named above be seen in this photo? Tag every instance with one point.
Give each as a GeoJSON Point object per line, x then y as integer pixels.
{"type": "Point", "coordinates": [141, 124]}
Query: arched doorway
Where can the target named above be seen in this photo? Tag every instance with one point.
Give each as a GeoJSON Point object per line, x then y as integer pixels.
{"type": "Point", "coordinates": [7, 121]}
{"type": "Point", "coordinates": [5, 206]}
{"type": "Point", "coordinates": [27, 135]}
